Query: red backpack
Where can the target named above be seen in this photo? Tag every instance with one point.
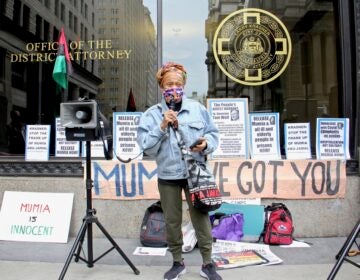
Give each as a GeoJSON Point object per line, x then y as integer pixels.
{"type": "Point", "coordinates": [278, 226]}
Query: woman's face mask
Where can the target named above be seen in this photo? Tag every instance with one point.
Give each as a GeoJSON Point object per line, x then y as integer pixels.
{"type": "Point", "coordinates": [173, 85]}
{"type": "Point", "coordinates": [174, 91]}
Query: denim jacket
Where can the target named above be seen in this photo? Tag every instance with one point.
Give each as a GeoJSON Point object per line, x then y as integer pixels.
{"type": "Point", "coordinates": [194, 122]}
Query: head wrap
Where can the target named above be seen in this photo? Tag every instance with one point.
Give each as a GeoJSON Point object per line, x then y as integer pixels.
{"type": "Point", "coordinates": [168, 67]}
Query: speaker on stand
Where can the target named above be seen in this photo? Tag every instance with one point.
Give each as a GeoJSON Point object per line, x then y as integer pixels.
{"type": "Point", "coordinates": [84, 122]}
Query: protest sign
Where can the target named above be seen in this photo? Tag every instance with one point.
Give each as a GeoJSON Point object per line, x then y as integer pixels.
{"type": "Point", "coordinates": [230, 116]}
{"type": "Point", "coordinates": [309, 179]}
{"type": "Point", "coordinates": [64, 148]}
{"type": "Point", "coordinates": [264, 136]}
{"type": "Point", "coordinates": [125, 125]}
{"type": "Point", "coordinates": [37, 142]}
{"type": "Point", "coordinates": [332, 138]}
{"type": "Point", "coordinates": [97, 149]}
{"type": "Point", "coordinates": [35, 216]}
{"type": "Point", "coordinates": [297, 140]}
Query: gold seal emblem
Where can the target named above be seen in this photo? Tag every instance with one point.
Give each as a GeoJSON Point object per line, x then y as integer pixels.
{"type": "Point", "coordinates": [252, 47]}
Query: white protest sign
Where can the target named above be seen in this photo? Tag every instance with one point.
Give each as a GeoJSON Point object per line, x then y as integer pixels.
{"type": "Point", "coordinates": [64, 148]}
{"type": "Point", "coordinates": [297, 140]}
{"type": "Point", "coordinates": [35, 216]}
{"type": "Point", "coordinates": [231, 117]}
{"type": "Point", "coordinates": [37, 142]}
{"type": "Point", "coordinates": [97, 149]}
{"type": "Point", "coordinates": [332, 138]}
{"type": "Point", "coordinates": [264, 135]}
{"type": "Point", "coordinates": [125, 134]}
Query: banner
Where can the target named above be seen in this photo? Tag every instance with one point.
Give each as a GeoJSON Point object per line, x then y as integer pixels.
{"type": "Point", "coordinates": [286, 179]}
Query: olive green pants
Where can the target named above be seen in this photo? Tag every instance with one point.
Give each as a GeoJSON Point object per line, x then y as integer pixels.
{"type": "Point", "coordinates": [171, 202]}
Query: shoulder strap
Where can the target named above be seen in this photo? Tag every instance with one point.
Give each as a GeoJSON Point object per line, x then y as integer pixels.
{"type": "Point", "coordinates": [155, 207]}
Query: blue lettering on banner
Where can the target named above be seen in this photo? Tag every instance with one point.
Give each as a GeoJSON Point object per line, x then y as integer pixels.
{"type": "Point", "coordinates": [143, 171]}
{"type": "Point", "coordinates": [114, 172]}
{"type": "Point", "coordinates": [274, 178]}
{"type": "Point", "coordinates": [120, 170]}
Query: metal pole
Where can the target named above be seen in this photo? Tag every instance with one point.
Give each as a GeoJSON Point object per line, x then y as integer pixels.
{"type": "Point", "coordinates": [159, 41]}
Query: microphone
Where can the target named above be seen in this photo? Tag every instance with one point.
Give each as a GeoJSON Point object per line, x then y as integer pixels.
{"type": "Point", "coordinates": [172, 103]}
{"type": "Point", "coordinates": [171, 107]}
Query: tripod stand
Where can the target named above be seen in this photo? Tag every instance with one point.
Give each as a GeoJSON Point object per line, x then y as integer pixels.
{"type": "Point", "coordinates": [86, 226]}
{"type": "Point", "coordinates": [341, 256]}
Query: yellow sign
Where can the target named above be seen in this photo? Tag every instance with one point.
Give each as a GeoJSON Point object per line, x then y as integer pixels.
{"type": "Point", "coordinates": [252, 47]}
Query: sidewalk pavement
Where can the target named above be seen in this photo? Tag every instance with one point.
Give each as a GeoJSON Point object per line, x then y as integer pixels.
{"type": "Point", "coordinates": [45, 261]}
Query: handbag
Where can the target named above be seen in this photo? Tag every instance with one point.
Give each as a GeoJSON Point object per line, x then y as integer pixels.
{"type": "Point", "coordinates": [204, 193]}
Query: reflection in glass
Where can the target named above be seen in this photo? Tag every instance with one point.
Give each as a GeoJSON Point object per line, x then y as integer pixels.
{"type": "Point", "coordinates": [308, 88]}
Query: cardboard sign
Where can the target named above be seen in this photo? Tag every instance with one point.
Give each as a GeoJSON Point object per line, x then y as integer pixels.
{"type": "Point", "coordinates": [231, 118]}
{"type": "Point", "coordinates": [297, 140]}
{"type": "Point", "coordinates": [64, 148]}
{"type": "Point", "coordinates": [125, 134]}
{"type": "Point", "coordinates": [37, 142]}
{"type": "Point", "coordinates": [332, 138]}
{"type": "Point", "coordinates": [97, 148]}
{"type": "Point", "coordinates": [35, 217]}
{"type": "Point", "coordinates": [287, 179]}
{"type": "Point", "coordinates": [264, 136]}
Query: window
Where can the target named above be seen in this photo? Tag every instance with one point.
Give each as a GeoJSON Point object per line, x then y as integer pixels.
{"type": "Point", "coordinates": [71, 20]}
{"type": "Point", "coordinates": [313, 84]}
{"type": "Point", "coordinates": [26, 18]}
{"type": "Point", "coordinates": [17, 12]}
{"type": "Point", "coordinates": [75, 24]}
{"type": "Point", "coordinates": [38, 26]}
{"type": "Point", "coordinates": [62, 14]}
{"type": "Point", "coordinates": [47, 4]}
{"type": "Point", "coordinates": [56, 8]}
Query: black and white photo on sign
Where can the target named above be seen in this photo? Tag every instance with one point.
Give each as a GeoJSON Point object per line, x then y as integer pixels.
{"type": "Point", "coordinates": [297, 140]}
{"type": "Point", "coordinates": [231, 117]}
{"type": "Point", "coordinates": [64, 148]}
{"type": "Point", "coordinates": [125, 126]}
{"type": "Point", "coordinates": [37, 142]}
{"type": "Point", "coordinates": [332, 138]}
{"type": "Point", "coordinates": [264, 136]}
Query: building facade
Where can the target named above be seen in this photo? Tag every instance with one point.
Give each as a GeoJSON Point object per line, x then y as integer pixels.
{"type": "Point", "coordinates": [114, 48]}
{"type": "Point", "coordinates": [320, 79]}
{"type": "Point", "coordinates": [130, 27]}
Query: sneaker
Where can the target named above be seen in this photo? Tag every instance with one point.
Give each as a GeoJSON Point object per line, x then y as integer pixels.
{"type": "Point", "coordinates": [209, 272]}
{"type": "Point", "coordinates": [175, 271]}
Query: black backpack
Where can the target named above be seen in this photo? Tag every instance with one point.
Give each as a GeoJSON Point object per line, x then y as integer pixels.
{"type": "Point", "coordinates": [153, 230]}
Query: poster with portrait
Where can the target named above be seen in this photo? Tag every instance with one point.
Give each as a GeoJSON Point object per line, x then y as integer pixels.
{"type": "Point", "coordinates": [125, 125]}
{"type": "Point", "coordinates": [332, 138]}
{"type": "Point", "coordinates": [297, 140]}
{"type": "Point", "coordinates": [264, 136]}
{"type": "Point", "coordinates": [231, 117]}
{"type": "Point", "coordinates": [64, 148]}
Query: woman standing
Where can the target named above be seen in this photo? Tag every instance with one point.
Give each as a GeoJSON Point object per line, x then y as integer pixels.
{"type": "Point", "coordinates": [157, 138]}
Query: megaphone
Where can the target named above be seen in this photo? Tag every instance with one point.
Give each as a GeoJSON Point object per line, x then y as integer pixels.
{"type": "Point", "coordinates": [82, 114]}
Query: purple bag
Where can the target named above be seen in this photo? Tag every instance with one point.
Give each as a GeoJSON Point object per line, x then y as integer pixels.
{"type": "Point", "coordinates": [230, 227]}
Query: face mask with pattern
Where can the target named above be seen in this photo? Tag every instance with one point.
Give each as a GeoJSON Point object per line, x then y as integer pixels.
{"type": "Point", "coordinates": [179, 91]}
